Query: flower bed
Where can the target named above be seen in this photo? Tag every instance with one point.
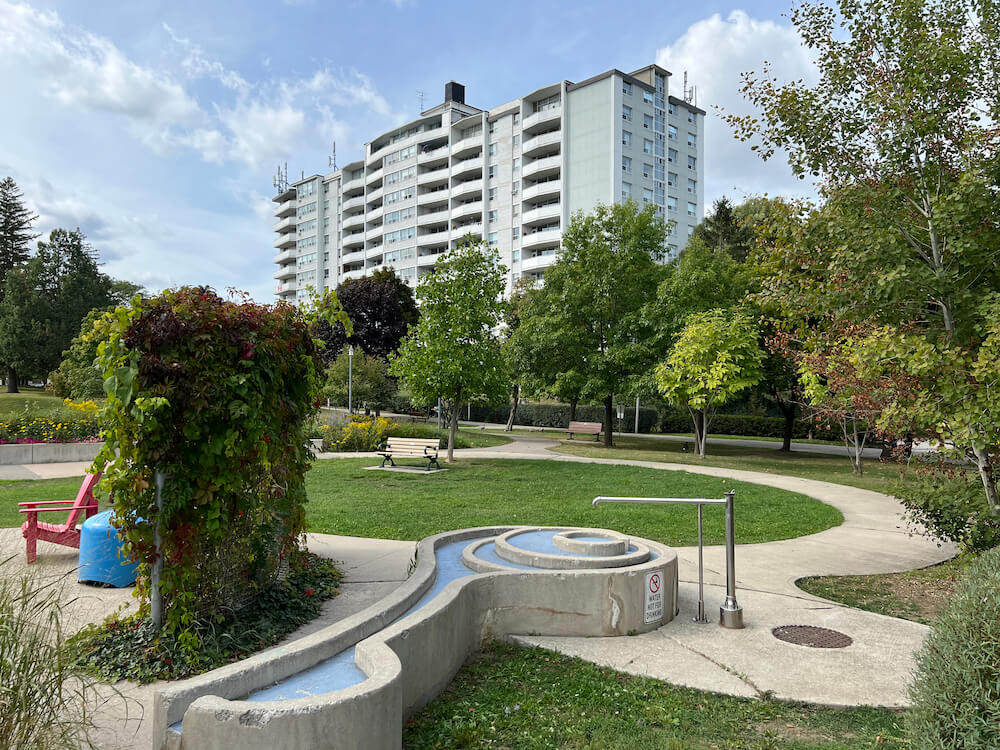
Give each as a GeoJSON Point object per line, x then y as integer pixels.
{"type": "Point", "coordinates": [27, 430]}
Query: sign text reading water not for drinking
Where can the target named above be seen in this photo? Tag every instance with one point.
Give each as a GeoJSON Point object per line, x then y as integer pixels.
{"type": "Point", "coordinates": [653, 600]}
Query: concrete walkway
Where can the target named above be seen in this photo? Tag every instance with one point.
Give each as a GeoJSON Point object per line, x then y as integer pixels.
{"type": "Point", "coordinates": [874, 670]}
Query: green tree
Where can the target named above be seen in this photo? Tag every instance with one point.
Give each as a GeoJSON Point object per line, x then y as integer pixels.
{"type": "Point", "coordinates": [452, 351]}
{"type": "Point", "coordinates": [46, 299]}
{"type": "Point", "coordinates": [608, 269]}
{"type": "Point", "coordinates": [901, 129]}
{"type": "Point", "coordinates": [15, 237]}
{"type": "Point", "coordinates": [723, 231]}
{"type": "Point", "coordinates": [368, 381]}
{"type": "Point", "coordinates": [77, 376]}
{"type": "Point", "coordinates": [714, 358]}
{"type": "Point", "coordinates": [381, 308]}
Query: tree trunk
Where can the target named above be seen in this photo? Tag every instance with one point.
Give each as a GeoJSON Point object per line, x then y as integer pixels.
{"type": "Point", "coordinates": [989, 481]}
{"type": "Point", "coordinates": [788, 410]}
{"type": "Point", "coordinates": [608, 423]}
{"type": "Point", "coordinates": [12, 380]}
{"type": "Point", "coordinates": [572, 411]}
{"type": "Point", "coordinates": [453, 427]}
{"type": "Point", "coordinates": [515, 394]}
{"type": "Point", "coordinates": [700, 433]}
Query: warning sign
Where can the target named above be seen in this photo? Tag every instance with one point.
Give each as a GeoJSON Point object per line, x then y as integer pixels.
{"type": "Point", "coordinates": [653, 609]}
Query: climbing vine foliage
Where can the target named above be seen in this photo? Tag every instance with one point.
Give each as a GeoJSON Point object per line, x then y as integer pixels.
{"type": "Point", "coordinates": [214, 394]}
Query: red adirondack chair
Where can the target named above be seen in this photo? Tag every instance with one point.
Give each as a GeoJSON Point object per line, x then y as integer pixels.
{"type": "Point", "coordinates": [66, 534]}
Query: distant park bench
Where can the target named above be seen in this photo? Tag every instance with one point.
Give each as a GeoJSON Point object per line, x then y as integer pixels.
{"type": "Point", "coordinates": [585, 428]}
{"type": "Point", "coordinates": [403, 447]}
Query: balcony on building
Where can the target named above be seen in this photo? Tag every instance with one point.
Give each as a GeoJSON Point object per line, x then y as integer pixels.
{"type": "Point", "coordinates": [550, 187]}
{"type": "Point", "coordinates": [374, 233]}
{"type": "Point", "coordinates": [285, 240]}
{"type": "Point", "coordinates": [353, 257]}
{"type": "Point", "coordinates": [467, 189]}
{"type": "Point", "coordinates": [541, 213]}
{"type": "Point", "coordinates": [358, 201]}
{"type": "Point", "coordinates": [466, 209]}
{"type": "Point", "coordinates": [434, 216]}
{"type": "Point", "coordinates": [352, 221]}
{"type": "Point", "coordinates": [434, 154]}
{"type": "Point", "coordinates": [286, 208]}
{"type": "Point", "coordinates": [286, 195]}
{"type": "Point", "coordinates": [353, 240]}
{"type": "Point", "coordinates": [284, 256]}
{"type": "Point", "coordinates": [540, 237]}
{"type": "Point", "coordinates": [541, 259]}
{"type": "Point", "coordinates": [544, 143]}
{"type": "Point", "coordinates": [429, 177]}
{"type": "Point", "coordinates": [286, 272]}
{"type": "Point", "coordinates": [547, 166]}
{"type": "Point", "coordinates": [287, 224]}
{"type": "Point", "coordinates": [467, 166]}
{"type": "Point", "coordinates": [469, 146]}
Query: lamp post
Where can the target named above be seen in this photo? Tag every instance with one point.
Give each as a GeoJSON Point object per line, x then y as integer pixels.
{"type": "Point", "coordinates": [350, 379]}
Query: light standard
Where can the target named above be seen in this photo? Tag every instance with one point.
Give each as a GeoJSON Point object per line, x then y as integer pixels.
{"type": "Point", "coordinates": [350, 380]}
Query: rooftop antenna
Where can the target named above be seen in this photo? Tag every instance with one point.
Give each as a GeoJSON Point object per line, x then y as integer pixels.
{"type": "Point", "coordinates": [689, 93]}
{"type": "Point", "coordinates": [331, 160]}
{"type": "Point", "coordinates": [280, 179]}
{"type": "Point", "coordinates": [420, 98]}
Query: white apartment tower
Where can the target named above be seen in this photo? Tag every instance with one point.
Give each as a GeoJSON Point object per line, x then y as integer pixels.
{"type": "Point", "coordinates": [512, 175]}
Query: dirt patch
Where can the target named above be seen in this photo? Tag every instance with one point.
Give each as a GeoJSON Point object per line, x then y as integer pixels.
{"type": "Point", "coordinates": [794, 732]}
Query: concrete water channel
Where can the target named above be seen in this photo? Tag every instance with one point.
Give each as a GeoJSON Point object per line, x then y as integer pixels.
{"type": "Point", "coordinates": [354, 683]}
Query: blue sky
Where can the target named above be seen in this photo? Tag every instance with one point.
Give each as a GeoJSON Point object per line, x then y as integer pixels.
{"type": "Point", "coordinates": [156, 126]}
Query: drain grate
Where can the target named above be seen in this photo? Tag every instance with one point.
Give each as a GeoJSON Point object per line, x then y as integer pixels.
{"type": "Point", "coordinates": [809, 635]}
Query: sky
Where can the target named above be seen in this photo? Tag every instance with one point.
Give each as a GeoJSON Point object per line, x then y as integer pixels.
{"type": "Point", "coordinates": [157, 126]}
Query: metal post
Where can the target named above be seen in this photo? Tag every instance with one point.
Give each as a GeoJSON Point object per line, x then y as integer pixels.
{"type": "Point", "coordinates": [350, 380]}
{"type": "Point", "coordinates": [636, 415]}
{"type": "Point", "coordinates": [701, 574]}
{"type": "Point", "coordinates": [730, 613]}
{"type": "Point", "coordinates": [155, 598]}
{"type": "Point", "coordinates": [439, 412]}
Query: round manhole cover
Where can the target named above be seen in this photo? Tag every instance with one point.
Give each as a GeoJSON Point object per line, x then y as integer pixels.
{"type": "Point", "coordinates": [809, 635]}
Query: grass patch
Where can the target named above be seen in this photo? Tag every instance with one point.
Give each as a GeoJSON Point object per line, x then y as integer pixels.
{"type": "Point", "coordinates": [129, 649]}
{"type": "Point", "coordinates": [918, 595]}
{"type": "Point", "coordinates": [347, 498]}
{"type": "Point", "coordinates": [510, 696]}
{"type": "Point", "coordinates": [36, 402]}
{"type": "Point", "coordinates": [878, 476]}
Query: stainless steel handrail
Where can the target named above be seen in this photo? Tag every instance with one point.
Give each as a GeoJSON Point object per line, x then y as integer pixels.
{"type": "Point", "coordinates": [730, 613]}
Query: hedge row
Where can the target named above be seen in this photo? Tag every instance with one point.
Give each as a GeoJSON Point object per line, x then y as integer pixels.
{"type": "Point", "coordinates": [752, 426]}
{"type": "Point", "coordinates": [557, 416]}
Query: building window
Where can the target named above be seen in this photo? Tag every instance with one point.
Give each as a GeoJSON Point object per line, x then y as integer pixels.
{"type": "Point", "coordinates": [647, 195]}
{"type": "Point", "coordinates": [492, 127]}
{"type": "Point", "coordinates": [515, 233]}
{"type": "Point", "coordinates": [692, 209]}
{"type": "Point", "coordinates": [493, 194]}
{"type": "Point", "coordinates": [690, 231]}
{"type": "Point", "coordinates": [692, 186]}
{"type": "Point", "coordinates": [647, 170]}
{"type": "Point", "coordinates": [647, 146]}
{"type": "Point", "coordinates": [517, 164]}
{"type": "Point", "coordinates": [672, 108]}
{"type": "Point", "coordinates": [493, 149]}
{"type": "Point", "coordinates": [492, 216]}
{"type": "Point", "coordinates": [515, 211]}
{"type": "Point", "coordinates": [692, 162]}
{"type": "Point", "coordinates": [626, 88]}
{"type": "Point", "coordinates": [626, 191]}
{"type": "Point", "coordinates": [647, 97]}
{"type": "Point", "coordinates": [626, 164]}
{"type": "Point", "coordinates": [671, 179]}
{"type": "Point", "coordinates": [492, 172]}
{"type": "Point", "coordinates": [671, 203]}
{"type": "Point", "coordinates": [517, 117]}
{"type": "Point", "coordinates": [491, 238]}
{"type": "Point", "coordinates": [671, 132]}
{"type": "Point", "coordinates": [692, 140]}
{"type": "Point", "coordinates": [515, 186]}
{"type": "Point", "coordinates": [671, 155]}
{"type": "Point", "coordinates": [647, 121]}
{"type": "Point", "coordinates": [691, 118]}
{"type": "Point", "coordinates": [517, 140]}
{"type": "Point", "coordinates": [626, 112]}
{"type": "Point", "coordinates": [626, 138]}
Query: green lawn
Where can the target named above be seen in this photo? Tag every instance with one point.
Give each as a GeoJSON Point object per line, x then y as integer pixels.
{"type": "Point", "coordinates": [346, 498]}
{"type": "Point", "coordinates": [513, 697]}
{"type": "Point", "coordinates": [36, 401]}
{"type": "Point", "coordinates": [878, 476]}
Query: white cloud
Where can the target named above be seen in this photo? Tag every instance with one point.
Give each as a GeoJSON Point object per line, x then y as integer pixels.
{"type": "Point", "coordinates": [80, 70]}
{"type": "Point", "coordinates": [714, 52]}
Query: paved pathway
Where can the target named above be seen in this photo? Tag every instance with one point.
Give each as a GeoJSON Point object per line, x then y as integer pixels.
{"type": "Point", "coordinates": [874, 670]}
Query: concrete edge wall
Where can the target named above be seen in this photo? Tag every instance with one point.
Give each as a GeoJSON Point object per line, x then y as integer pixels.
{"type": "Point", "coordinates": [47, 453]}
{"type": "Point", "coordinates": [411, 661]}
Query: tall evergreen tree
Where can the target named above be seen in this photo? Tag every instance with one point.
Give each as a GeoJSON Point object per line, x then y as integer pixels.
{"type": "Point", "coordinates": [723, 232]}
{"type": "Point", "coordinates": [15, 236]}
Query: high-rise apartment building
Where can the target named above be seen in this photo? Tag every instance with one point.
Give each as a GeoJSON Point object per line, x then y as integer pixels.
{"type": "Point", "coordinates": [512, 175]}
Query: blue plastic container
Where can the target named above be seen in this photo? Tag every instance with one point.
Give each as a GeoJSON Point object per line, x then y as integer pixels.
{"type": "Point", "coordinates": [101, 557]}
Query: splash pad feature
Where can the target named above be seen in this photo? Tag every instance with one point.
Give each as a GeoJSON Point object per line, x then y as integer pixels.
{"type": "Point", "coordinates": [354, 683]}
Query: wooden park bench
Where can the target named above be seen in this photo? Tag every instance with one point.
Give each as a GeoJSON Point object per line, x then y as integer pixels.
{"type": "Point", "coordinates": [67, 533]}
{"type": "Point", "coordinates": [585, 428]}
{"type": "Point", "coordinates": [403, 447]}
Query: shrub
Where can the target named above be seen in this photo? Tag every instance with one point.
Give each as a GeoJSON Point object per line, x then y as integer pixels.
{"type": "Point", "coordinates": [751, 426]}
{"type": "Point", "coordinates": [357, 435]}
{"type": "Point", "coordinates": [948, 499]}
{"type": "Point", "coordinates": [956, 691]}
{"type": "Point", "coordinates": [215, 395]}
{"type": "Point", "coordinates": [43, 701]}
{"type": "Point", "coordinates": [557, 416]}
